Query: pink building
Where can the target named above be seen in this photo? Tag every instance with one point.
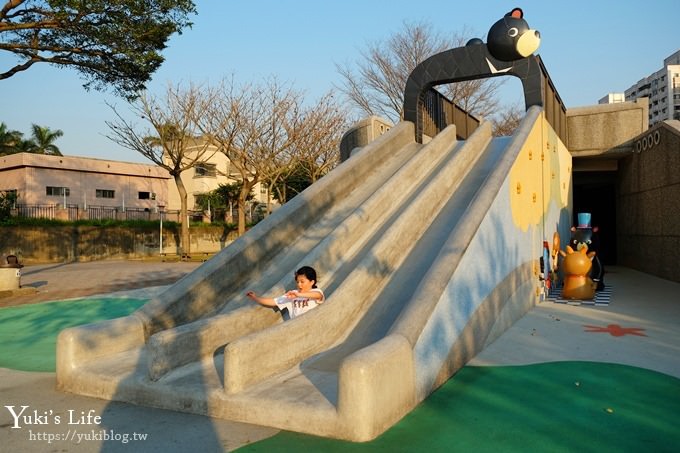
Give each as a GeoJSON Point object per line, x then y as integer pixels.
{"type": "Point", "coordinates": [67, 181]}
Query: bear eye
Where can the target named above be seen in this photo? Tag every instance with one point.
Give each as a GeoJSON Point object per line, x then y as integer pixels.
{"type": "Point", "coordinates": [513, 32]}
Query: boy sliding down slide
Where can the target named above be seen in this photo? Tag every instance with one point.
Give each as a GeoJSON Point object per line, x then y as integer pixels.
{"type": "Point", "coordinates": [299, 301]}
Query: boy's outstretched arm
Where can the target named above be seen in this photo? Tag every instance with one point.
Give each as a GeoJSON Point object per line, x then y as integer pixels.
{"type": "Point", "coordinates": [266, 301]}
{"type": "Point", "coordinates": [316, 295]}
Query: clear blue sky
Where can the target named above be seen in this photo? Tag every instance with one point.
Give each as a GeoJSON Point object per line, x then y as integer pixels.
{"type": "Point", "coordinates": [590, 48]}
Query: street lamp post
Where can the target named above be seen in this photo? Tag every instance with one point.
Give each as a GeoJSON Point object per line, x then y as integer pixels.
{"type": "Point", "coordinates": [160, 214]}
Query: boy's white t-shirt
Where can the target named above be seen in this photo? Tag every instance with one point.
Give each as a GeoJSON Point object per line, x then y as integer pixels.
{"type": "Point", "coordinates": [299, 305]}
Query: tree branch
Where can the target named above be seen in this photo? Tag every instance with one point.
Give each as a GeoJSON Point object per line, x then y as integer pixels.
{"type": "Point", "coordinates": [10, 5]}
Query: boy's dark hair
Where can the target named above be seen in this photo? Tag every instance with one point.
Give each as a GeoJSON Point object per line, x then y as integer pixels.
{"type": "Point", "coordinates": [308, 272]}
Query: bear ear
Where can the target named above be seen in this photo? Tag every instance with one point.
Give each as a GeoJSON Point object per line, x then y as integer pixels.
{"type": "Point", "coordinates": [573, 229]}
{"type": "Point", "coordinates": [596, 229]}
{"type": "Point", "coordinates": [517, 13]}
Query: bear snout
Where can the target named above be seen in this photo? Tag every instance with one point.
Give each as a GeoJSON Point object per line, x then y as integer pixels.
{"type": "Point", "coordinates": [528, 43]}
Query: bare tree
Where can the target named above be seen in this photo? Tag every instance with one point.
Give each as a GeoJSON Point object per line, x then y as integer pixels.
{"type": "Point", "coordinates": [254, 126]}
{"type": "Point", "coordinates": [376, 86]}
{"type": "Point", "coordinates": [318, 143]}
{"type": "Point", "coordinates": [170, 139]}
{"type": "Point", "coordinates": [507, 120]}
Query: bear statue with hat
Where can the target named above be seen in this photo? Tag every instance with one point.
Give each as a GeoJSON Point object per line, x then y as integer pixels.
{"type": "Point", "coordinates": [585, 235]}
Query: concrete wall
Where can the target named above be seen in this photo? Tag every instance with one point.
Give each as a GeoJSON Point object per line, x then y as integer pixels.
{"type": "Point", "coordinates": [594, 129]}
{"type": "Point", "coordinates": [84, 243]}
{"type": "Point", "coordinates": [496, 281]}
{"type": "Point", "coordinates": [362, 133]}
{"type": "Point", "coordinates": [648, 207]}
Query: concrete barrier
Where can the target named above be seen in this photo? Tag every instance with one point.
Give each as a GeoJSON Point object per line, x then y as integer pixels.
{"type": "Point", "coordinates": [10, 278]}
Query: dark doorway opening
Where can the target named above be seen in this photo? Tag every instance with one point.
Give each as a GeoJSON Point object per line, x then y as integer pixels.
{"type": "Point", "coordinates": [595, 192]}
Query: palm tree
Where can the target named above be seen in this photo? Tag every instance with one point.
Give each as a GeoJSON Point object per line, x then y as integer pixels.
{"type": "Point", "coordinates": [8, 140]}
{"type": "Point", "coordinates": [26, 146]}
{"type": "Point", "coordinates": [44, 138]}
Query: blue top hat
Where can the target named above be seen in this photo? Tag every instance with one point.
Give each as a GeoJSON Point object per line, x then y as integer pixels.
{"type": "Point", "coordinates": [584, 220]}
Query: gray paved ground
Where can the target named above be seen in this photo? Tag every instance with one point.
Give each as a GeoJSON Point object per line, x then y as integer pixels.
{"type": "Point", "coordinates": [165, 431]}
{"type": "Point", "coordinates": [60, 281]}
{"type": "Point", "coordinates": [645, 308]}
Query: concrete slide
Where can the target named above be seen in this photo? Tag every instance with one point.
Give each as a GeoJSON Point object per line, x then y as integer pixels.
{"type": "Point", "coordinates": [404, 238]}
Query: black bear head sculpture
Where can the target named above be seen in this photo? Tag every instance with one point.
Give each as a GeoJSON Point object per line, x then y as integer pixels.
{"type": "Point", "coordinates": [511, 38]}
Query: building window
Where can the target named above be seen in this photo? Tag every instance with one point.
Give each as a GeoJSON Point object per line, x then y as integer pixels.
{"type": "Point", "coordinates": [147, 195]}
{"type": "Point", "coordinates": [57, 191]}
{"type": "Point", "coordinates": [105, 193]}
{"type": "Point", "coordinates": [205, 169]}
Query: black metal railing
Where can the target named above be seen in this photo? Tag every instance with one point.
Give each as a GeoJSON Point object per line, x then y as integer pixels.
{"type": "Point", "coordinates": [439, 112]}
{"type": "Point", "coordinates": [554, 108]}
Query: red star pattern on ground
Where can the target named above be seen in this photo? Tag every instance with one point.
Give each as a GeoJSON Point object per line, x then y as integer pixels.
{"type": "Point", "coordinates": [616, 330]}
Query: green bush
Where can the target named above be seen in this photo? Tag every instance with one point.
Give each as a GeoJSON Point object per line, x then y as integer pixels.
{"type": "Point", "coordinates": [7, 200]}
{"type": "Point", "coordinates": [29, 221]}
{"type": "Point", "coordinates": [42, 222]}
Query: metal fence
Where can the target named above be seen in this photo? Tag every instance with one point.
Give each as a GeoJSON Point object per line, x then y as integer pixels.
{"type": "Point", "coordinates": [73, 212]}
{"type": "Point", "coordinates": [37, 211]}
{"type": "Point", "coordinates": [138, 214]}
{"type": "Point", "coordinates": [254, 213]}
{"type": "Point", "coordinates": [101, 212]}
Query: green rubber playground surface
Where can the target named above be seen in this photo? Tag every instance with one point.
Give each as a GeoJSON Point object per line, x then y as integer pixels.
{"type": "Point", "coordinates": [548, 407]}
{"type": "Point", "coordinates": [28, 333]}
